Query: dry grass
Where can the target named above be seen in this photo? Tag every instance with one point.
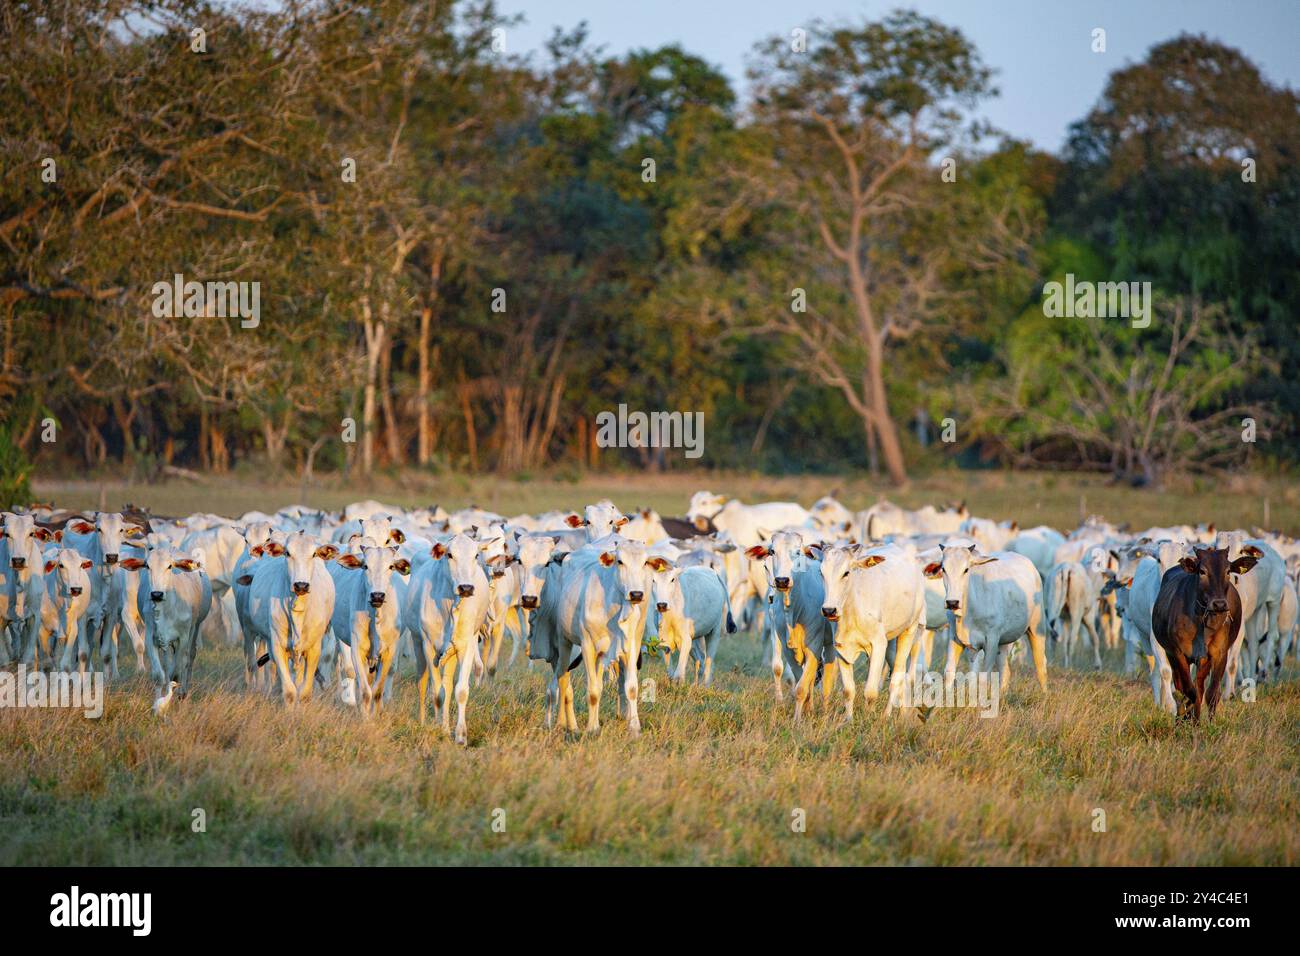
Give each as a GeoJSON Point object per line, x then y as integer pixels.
{"type": "Point", "coordinates": [714, 777]}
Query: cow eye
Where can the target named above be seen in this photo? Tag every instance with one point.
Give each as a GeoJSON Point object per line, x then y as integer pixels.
{"type": "Point", "coordinates": [844, 575]}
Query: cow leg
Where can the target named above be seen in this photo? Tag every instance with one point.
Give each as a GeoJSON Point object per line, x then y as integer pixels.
{"type": "Point", "coordinates": [631, 691]}
{"type": "Point", "coordinates": [288, 689]}
{"type": "Point", "coordinates": [778, 668]}
{"type": "Point", "coordinates": [592, 663]}
{"type": "Point", "coordinates": [848, 684]}
{"type": "Point", "coordinates": [1162, 679]}
{"type": "Point", "coordinates": [1183, 681]}
{"type": "Point", "coordinates": [462, 692]}
{"type": "Point", "coordinates": [570, 714]}
{"type": "Point", "coordinates": [950, 666]}
{"type": "Point", "coordinates": [450, 661]}
{"type": "Point", "coordinates": [423, 668]}
{"type": "Point", "coordinates": [803, 690]}
{"type": "Point", "coordinates": [349, 667]}
{"type": "Point", "coordinates": [1091, 627]}
{"type": "Point", "coordinates": [1216, 682]}
{"type": "Point", "coordinates": [902, 671]}
{"type": "Point", "coordinates": [879, 648]}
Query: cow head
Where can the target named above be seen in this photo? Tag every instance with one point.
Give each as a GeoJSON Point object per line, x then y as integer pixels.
{"type": "Point", "coordinates": [704, 507]}
{"type": "Point", "coordinates": [665, 588]}
{"type": "Point", "coordinates": [70, 567]}
{"type": "Point", "coordinates": [111, 528]}
{"type": "Point", "coordinates": [955, 568]}
{"type": "Point", "coordinates": [837, 565]}
{"type": "Point", "coordinates": [378, 564]}
{"type": "Point", "coordinates": [629, 560]}
{"type": "Point", "coordinates": [24, 539]}
{"type": "Point", "coordinates": [163, 562]}
{"type": "Point", "coordinates": [301, 553]}
{"type": "Point", "coordinates": [534, 553]}
{"type": "Point", "coordinates": [1212, 567]}
{"type": "Point", "coordinates": [463, 565]}
{"type": "Point", "coordinates": [783, 555]}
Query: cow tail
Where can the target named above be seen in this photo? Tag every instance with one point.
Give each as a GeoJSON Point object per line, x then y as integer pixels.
{"type": "Point", "coordinates": [731, 622]}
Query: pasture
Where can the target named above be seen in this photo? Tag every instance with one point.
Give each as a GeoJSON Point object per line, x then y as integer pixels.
{"type": "Point", "coordinates": [718, 775]}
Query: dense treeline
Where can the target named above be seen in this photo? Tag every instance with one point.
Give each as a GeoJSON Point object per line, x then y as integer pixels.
{"type": "Point", "coordinates": [470, 253]}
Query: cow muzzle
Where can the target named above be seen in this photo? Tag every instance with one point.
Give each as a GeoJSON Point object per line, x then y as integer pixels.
{"type": "Point", "coordinates": [952, 605]}
{"type": "Point", "coordinates": [783, 584]}
{"type": "Point", "coordinates": [831, 613]}
{"type": "Point", "coordinates": [528, 602]}
{"type": "Point", "coordinates": [377, 598]}
{"type": "Point", "coordinates": [155, 596]}
{"type": "Point", "coordinates": [110, 559]}
{"type": "Point", "coordinates": [74, 591]}
{"type": "Point", "coordinates": [1218, 606]}
{"type": "Point", "coordinates": [17, 563]}
{"type": "Point", "coordinates": [465, 590]}
{"type": "Point", "coordinates": [635, 596]}
{"type": "Point", "coordinates": [661, 606]}
{"type": "Point", "coordinates": [301, 587]}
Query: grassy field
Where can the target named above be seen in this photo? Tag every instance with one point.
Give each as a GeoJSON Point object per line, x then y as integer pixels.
{"type": "Point", "coordinates": [717, 775]}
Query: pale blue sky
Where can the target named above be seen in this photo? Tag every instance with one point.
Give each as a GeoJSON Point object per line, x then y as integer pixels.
{"type": "Point", "coordinates": [1047, 73]}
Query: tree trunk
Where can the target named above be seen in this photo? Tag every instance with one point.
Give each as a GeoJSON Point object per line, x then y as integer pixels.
{"type": "Point", "coordinates": [374, 333]}
{"type": "Point", "coordinates": [395, 456]}
{"type": "Point", "coordinates": [424, 450]}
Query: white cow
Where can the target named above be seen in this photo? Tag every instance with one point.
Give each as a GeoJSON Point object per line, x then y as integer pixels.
{"type": "Point", "coordinates": [1070, 595]}
{"type": "Point", "coordinates": [994, 600]}
{"type": "Point", "coordinates": [67, 594]}
{"type": "Point", "coordinates": [595, 605]}
{"type": "Point", "coordinates": [691, 615]}
{"type": "Point", "coordinates": [368, 591]}
{"type": "Point", "coordinates": [174, 596]}
{"type": "Point", "coordinates": [872, 597]}
{"type": "Point", "coordinates": [290, 605]}
{"type": "Point", "coordinates": [747, 524]}
{"type": "Point", "coordinates": [22, 583]}
{"type": "Point", "coordinates": [446, 605]}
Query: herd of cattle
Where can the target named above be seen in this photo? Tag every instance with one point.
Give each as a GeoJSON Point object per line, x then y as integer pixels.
{"type": "Point", "coordinates": [335, 600]}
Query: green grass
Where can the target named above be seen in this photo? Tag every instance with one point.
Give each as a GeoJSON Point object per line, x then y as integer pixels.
{"type": "Point", "coordinates": [715, 776]}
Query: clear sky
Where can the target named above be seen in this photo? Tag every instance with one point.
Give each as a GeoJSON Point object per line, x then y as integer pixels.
{"type": "Point", "coordinates": [1046, 71]}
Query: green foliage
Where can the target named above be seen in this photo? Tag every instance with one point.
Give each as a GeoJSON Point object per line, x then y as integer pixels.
{"type": "Point", "coordinates": [15, 471]}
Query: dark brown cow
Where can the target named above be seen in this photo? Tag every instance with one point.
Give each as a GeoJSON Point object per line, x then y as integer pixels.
{"type": "Point", "coordinates": [1196, 619]}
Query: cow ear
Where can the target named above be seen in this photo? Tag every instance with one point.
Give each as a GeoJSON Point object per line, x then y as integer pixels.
{"type": "Point", "coordinates": [933, 570]}
{"type": "Point", "coordinates": [983, 559]}
{"type": "Point", "coordinates": [607, 558]}
{"type": "Point", "coordinates": [813, 551]}
{"type": "Point", "coordinates": [256, 551]}
{"type": "Point", "coordinates": [350, 561]}
{"type": "Point", "coordinates": [1243, 564]}
{"type": "Point", "coordinates": [82, 527]}
{"type": "Point", "coordinates": [1189, 565]}
{"type": "Point", "coordinates": [1253, 551]}
{"type": "Point", "coordinates": [49, 566]}
{"type": "Point", "coordinates": [133, 531]}
{"type": "Point", "coordinates": [758, 552]}
{"type": "Point", "coordinates": [327, 552]}
{"type": "Point", "coordinates": [438, 550]}
{"type": "Point", "coordinates": [401, 566]}
{"type": "Point", "coordinates": [186, 564]}
{"type": "Point", "coordinates": [43, 533]}
{"type": "Point", "coordinates": [573, 521]}
{"type": "Point", "coordinates": [87, 565]}
{"type": "Point", "coordinates": [657, 562]}
{"type": "Point", "coordinates": [498, 560]}
{"type": "Point", "coordinates": [273, 548]}
{"type": "Point", "coordinates": [58, 536]}
{"type": "Point", "coordinates": [870, 561]}
{"type": "Point", "coordinates": [622, 520]}
{"type": "Point", "coordinates": [397, 535]}
{"type": "Point", "coordinates": [1210, 528]}
{"type": "Point", "coordinates": [244, 579]}
{"type": "Point", "coordinates": [131, 564]}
